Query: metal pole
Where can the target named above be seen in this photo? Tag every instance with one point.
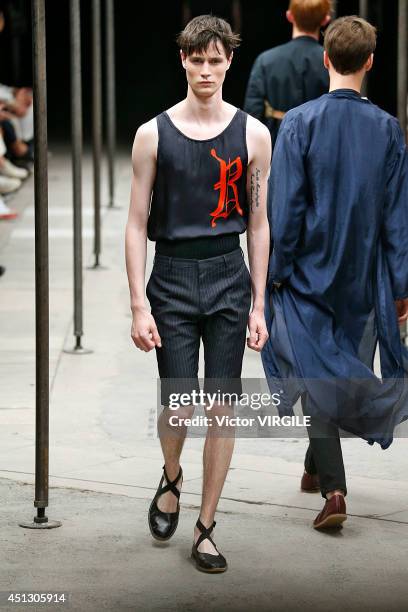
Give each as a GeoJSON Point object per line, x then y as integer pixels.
{"type": "Point", "coordinates": [76, 137]}
{"type": "Point", "coordinates": [402, 86]}
{"type": "Point", "coordinates": [334, 9]}
{"type": "Point", "coordinates": [363, 10]}
{"type": "Point", "coordinates": [41, 270]}
{"type": "Point", "coordinates": [97, 124]}
{"type": "Point", "coordinates": [110, 97]}
{"type": "Point", "coordinates": [402, 64]}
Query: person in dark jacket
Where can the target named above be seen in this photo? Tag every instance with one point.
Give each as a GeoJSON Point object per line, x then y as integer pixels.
{"type": "Point", "coordinates": [289, 75]}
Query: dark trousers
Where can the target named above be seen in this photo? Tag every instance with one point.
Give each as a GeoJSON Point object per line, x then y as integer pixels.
{"type": "Point", "coordinates": [195, 300]}
{"type": "Point", "coordinates": [9, 133]}
{"type": "Point", "coordinates": [324, 455]}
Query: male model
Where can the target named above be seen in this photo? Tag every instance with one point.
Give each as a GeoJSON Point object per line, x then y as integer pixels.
{"type": "Point", "coordinates": [199, 180]}
{"type": "Point", "coordinates": [338, 277]}
{"type": "Point", "coordinates": [289, 75]}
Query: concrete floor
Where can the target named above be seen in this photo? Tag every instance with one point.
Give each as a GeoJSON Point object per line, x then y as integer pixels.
{"type": "Point", "coordinates": [105, 461]}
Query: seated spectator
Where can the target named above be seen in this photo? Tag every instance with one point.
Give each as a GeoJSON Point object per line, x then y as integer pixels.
{"type": "Point", "coordinates": [18, 152]}
{"type": "Point", "coordinates": [17, 149]}
{"type": "Point", "coordinates": [9, 144]}
{"type": "Point", "coordinates": [9, 171]}
{"type": "Point", "coordinates": [9, 182]}
{"type": "Point", "coordinates": [18, 101]}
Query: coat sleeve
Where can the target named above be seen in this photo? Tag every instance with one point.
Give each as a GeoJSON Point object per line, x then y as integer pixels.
{"type": "Point", "coordinates": [255, 93]}
{"type": "Point", "coordinates": [287, 198]}
{"type": "Point", "coordinates": [395, 216]}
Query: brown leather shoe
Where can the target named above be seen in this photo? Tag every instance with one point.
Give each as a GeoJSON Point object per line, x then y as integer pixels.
{"type": "Point", "coordinates": [333, 513]}
{"type": "Point", "coordinates": [310, 483]}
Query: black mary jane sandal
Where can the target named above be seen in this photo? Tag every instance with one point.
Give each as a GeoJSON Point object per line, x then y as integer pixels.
{"type": "Point", "coordinates": [206, 562]}
{"type": "Point", "coordinates": [163, 524]}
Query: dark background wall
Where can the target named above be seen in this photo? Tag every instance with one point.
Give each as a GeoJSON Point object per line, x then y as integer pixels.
{"type": "Point", "coordinates": [149, 75]}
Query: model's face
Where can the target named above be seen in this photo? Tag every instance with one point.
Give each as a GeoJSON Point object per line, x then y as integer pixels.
{"type": "Point", "coordinates": [206, 71]}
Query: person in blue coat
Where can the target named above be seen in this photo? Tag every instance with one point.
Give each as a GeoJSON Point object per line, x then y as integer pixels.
{"type": "Point", "coordinates": [338, 271]}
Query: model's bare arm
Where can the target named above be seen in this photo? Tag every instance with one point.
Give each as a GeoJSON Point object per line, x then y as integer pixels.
{"type": "Point", "coordinates": [259, 151]}
{"type": "Point", "coordinates": [144, 331]}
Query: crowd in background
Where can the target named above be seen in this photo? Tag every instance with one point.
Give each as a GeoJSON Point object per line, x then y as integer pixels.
{"type": "Point", "coordinates": [16, 140]}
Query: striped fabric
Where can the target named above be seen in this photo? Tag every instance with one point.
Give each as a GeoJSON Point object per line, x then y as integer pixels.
{"type": "Point", "coordinates": [194, 299]}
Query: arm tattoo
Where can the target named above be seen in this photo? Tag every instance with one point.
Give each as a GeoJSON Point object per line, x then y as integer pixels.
{"type": "Point", "coordinates": [258, 185]}
{"type": "Point", "coordinates": [252, 192]}
{"type": "Point", "coordinates": [255, 187]}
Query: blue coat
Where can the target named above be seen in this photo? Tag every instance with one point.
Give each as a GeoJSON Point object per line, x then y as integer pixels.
{"type": "Point", "coordinates": [338, 210]}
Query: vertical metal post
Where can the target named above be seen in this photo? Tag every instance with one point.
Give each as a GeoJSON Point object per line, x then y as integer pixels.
{"type": "Point", "coordinates": [76, 135]}
{"type": "Point", "coordinates": [402, 64]}
{"type": "Point", "coordinates": [334, 9]}
{"type": "Point", "coordinates": [41, 270]}
{"type": "Point", "coordinates": [363, 8]}
{"type": "Point", "coordinates": [110, 97]}
{"type": "Point", "coordinates": [363, 11]}
{"type": "Point", "coordinates": [402, 87]}
{"type": "Point", "coordinates": [77, 140]}
{"type": "Point", "coordinates": [97, 124]}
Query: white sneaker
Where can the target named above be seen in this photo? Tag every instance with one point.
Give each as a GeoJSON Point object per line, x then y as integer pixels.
{"type": "Point", "coordinates": [7, 184]}
{"type": "Point", "coordinates": [5, 211]}
{"type": "Point", "coordinates": [12, 171]}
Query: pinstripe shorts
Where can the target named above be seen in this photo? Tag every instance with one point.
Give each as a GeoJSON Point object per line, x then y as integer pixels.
{"type": "Point", "coordinates": [200, 299]}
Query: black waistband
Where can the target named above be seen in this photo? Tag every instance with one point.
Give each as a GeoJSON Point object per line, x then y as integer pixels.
{"type": "Point", "coordinates": [198, 248]}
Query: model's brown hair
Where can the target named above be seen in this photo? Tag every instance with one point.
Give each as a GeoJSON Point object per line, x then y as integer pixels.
{"type": "Point", "coordinates": [349, 42]}
{"type": "Point", "coordinates": [205, 29]}
{"type": "Point", "coordinates": [309, 14]}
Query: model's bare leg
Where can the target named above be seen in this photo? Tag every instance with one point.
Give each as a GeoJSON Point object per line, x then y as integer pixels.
{"type": "Point", "coordinates": [172, 442]}
{"type": "Point", "coordinates": [218, 449]}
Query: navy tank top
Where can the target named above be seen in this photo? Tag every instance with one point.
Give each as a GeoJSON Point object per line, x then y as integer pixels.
{"type": "Point", "coordinates": [200, 185]}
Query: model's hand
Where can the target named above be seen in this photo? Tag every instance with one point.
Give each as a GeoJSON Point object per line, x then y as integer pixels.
{"type": "Point", "coordinates": [144, 330]}
{"type": "Point", "coordinates": [402, 310]}
{"type": "Point", "coordinates": [258, 334]}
